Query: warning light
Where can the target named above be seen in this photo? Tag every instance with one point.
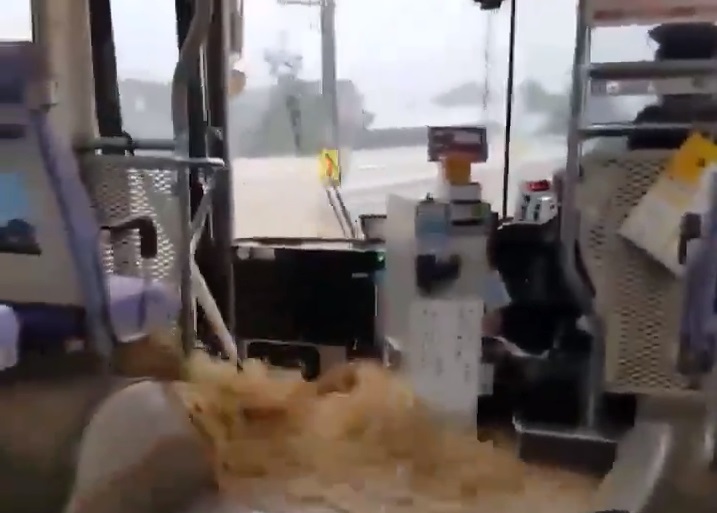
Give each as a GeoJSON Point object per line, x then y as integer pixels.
{"type": "Point", "coordinates": [539, 186]}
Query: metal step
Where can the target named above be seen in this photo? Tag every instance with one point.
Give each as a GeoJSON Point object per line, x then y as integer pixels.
{"type": "Point", "coordinates": [579, 449]}
{"type": "Point", "coordinates": [652, 69]}
{"type": "Point", "coordinates": [659, 87]}
{"type": "Point", "coordinates": [648, 78]}
{"type": "Point", "coordinates": [625, 129]}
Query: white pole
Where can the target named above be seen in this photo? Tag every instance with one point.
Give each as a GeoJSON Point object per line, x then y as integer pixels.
{"type": "Point", "coordinates": [329, 83]}
{"type": "Point", "coordinates": [329, 89]}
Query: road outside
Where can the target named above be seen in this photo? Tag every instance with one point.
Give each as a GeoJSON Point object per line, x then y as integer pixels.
{"type": "Point", "coordinates": [283, 197]}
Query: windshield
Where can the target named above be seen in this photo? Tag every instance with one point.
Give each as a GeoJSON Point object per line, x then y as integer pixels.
{"type": "Point", "coordinates": [400, 65]}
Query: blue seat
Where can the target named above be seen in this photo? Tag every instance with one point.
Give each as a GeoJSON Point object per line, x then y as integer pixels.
{"type": "Point", "coordinates": [50, 264]}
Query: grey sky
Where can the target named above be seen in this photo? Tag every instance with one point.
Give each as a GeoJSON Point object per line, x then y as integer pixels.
{"type": "Point", "coordinates": [396, 50]}
{"type": "Point", "coordinates": [438, 41]}
{"type": "Point", "coordinates": [442, 35]}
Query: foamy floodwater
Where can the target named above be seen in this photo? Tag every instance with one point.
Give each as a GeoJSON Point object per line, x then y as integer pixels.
{"type": "Point", "coordinates": [283, 197]}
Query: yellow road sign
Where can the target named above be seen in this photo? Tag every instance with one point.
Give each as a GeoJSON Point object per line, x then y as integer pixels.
{"type": "Point", "coordinates": [329, 168]}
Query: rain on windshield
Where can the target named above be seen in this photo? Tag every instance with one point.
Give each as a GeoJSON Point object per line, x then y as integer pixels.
{"type": "Point", "coordinates": [399, 66]}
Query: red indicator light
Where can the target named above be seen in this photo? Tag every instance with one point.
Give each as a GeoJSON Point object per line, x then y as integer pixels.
{"type": "Point", "coordinates": [539, 186]}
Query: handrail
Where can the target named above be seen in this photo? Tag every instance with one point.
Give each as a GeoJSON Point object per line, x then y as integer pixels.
{"type": "Point", "coordinates": [189, 53]}
{"type": "Point", "coordinates": [126, 144]}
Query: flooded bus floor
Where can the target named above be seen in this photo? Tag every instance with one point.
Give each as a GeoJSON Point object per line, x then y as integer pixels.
{"type": "Point", "coordinates": [357, 441]}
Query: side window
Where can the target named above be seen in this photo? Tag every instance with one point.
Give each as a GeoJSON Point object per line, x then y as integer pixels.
{"type": "Point", "coordinates": [146, 48]}
{"type": "Point", "coordinates": [17, 232]}
{"type": "Point", "coordinates": [16, 21]}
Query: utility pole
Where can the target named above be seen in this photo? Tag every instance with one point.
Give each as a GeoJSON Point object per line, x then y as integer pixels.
{"type": "Point", "coordinates": [329, 86]}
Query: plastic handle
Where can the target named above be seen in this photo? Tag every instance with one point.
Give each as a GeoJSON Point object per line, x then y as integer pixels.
{"type": "Point", "coordinates": [690, 229]}
{"type": "Point", "coordinates": [147, 231]}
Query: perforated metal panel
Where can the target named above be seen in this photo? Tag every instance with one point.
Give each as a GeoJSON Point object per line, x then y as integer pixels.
{"type": "Point", "coordinates": [121, 186]}
{"type": "Point", "coordinates": [638, 299]}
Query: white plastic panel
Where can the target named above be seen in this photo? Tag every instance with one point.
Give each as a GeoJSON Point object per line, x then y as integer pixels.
{"type": "Point", "coordinates": [442, 356]}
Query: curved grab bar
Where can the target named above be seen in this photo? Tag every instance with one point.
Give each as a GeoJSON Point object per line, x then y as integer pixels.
{"type": "Point", "coordinates": [188, 55]}
{"type": "Point", "coordinates": [214, 316]}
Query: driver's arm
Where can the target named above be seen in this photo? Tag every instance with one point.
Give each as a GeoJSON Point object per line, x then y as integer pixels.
{"type": "Point", "coordinates": [530, 326]}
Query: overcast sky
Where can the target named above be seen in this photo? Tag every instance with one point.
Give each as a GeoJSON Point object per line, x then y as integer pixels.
{"type": "Point", "coordinates": [443, 37]}
{"type": "Point", "coordinates": [396, 50]}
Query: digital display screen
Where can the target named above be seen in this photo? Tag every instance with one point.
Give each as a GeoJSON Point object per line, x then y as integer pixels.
{"type": "Point", "coordinates": [18, 234]}
{"type": "Point", "coordinates": [467, 140]}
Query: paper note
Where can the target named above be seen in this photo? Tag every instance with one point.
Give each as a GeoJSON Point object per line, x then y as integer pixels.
{"type": "Point", "coordinates": [443, 355]}
{"type": "Point", "coordinates": [654, 224]}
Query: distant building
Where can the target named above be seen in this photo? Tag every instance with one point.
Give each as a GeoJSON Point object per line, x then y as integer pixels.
{"type": "Point", "coordinates": [260, 118]}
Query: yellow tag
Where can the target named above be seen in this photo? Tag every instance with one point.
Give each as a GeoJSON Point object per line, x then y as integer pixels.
{"type": "Point", "coordinates": [329, 166]}
{"type": "Point", "coordinates": [690, 161]}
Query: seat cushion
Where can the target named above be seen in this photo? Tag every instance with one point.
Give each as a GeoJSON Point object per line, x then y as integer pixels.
{"type": "Point", "coordinates": [9, 335]}
{"type": "Point", "coordinates": [138, 307]}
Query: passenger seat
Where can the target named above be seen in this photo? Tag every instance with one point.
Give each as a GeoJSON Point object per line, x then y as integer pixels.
{"type": "Point", "coordinates": [52, 277]}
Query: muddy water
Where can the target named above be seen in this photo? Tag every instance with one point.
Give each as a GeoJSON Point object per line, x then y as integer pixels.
{"type": "Point", "coordinates": [358, 441]}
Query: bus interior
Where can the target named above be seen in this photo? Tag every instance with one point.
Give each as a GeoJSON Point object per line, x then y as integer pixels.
{"type": "Point", "coordinates": [542, 305]}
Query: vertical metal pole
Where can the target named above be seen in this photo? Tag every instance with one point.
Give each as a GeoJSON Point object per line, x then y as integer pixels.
{"type": "Point", "coordinates": [185, 11]}
{"type": "Point", "coordinates": [569, 215]}
{"type": "Point", "coordinates": [329, 84]}
{"type": "Point", "coordinates": [510, 89]}
{"type": "Point", "coordinates": [189, 122]}
{"type": "Point", "coordinates": [217, 54]}
{"type": "Point", "coordinates": [568, 212]}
